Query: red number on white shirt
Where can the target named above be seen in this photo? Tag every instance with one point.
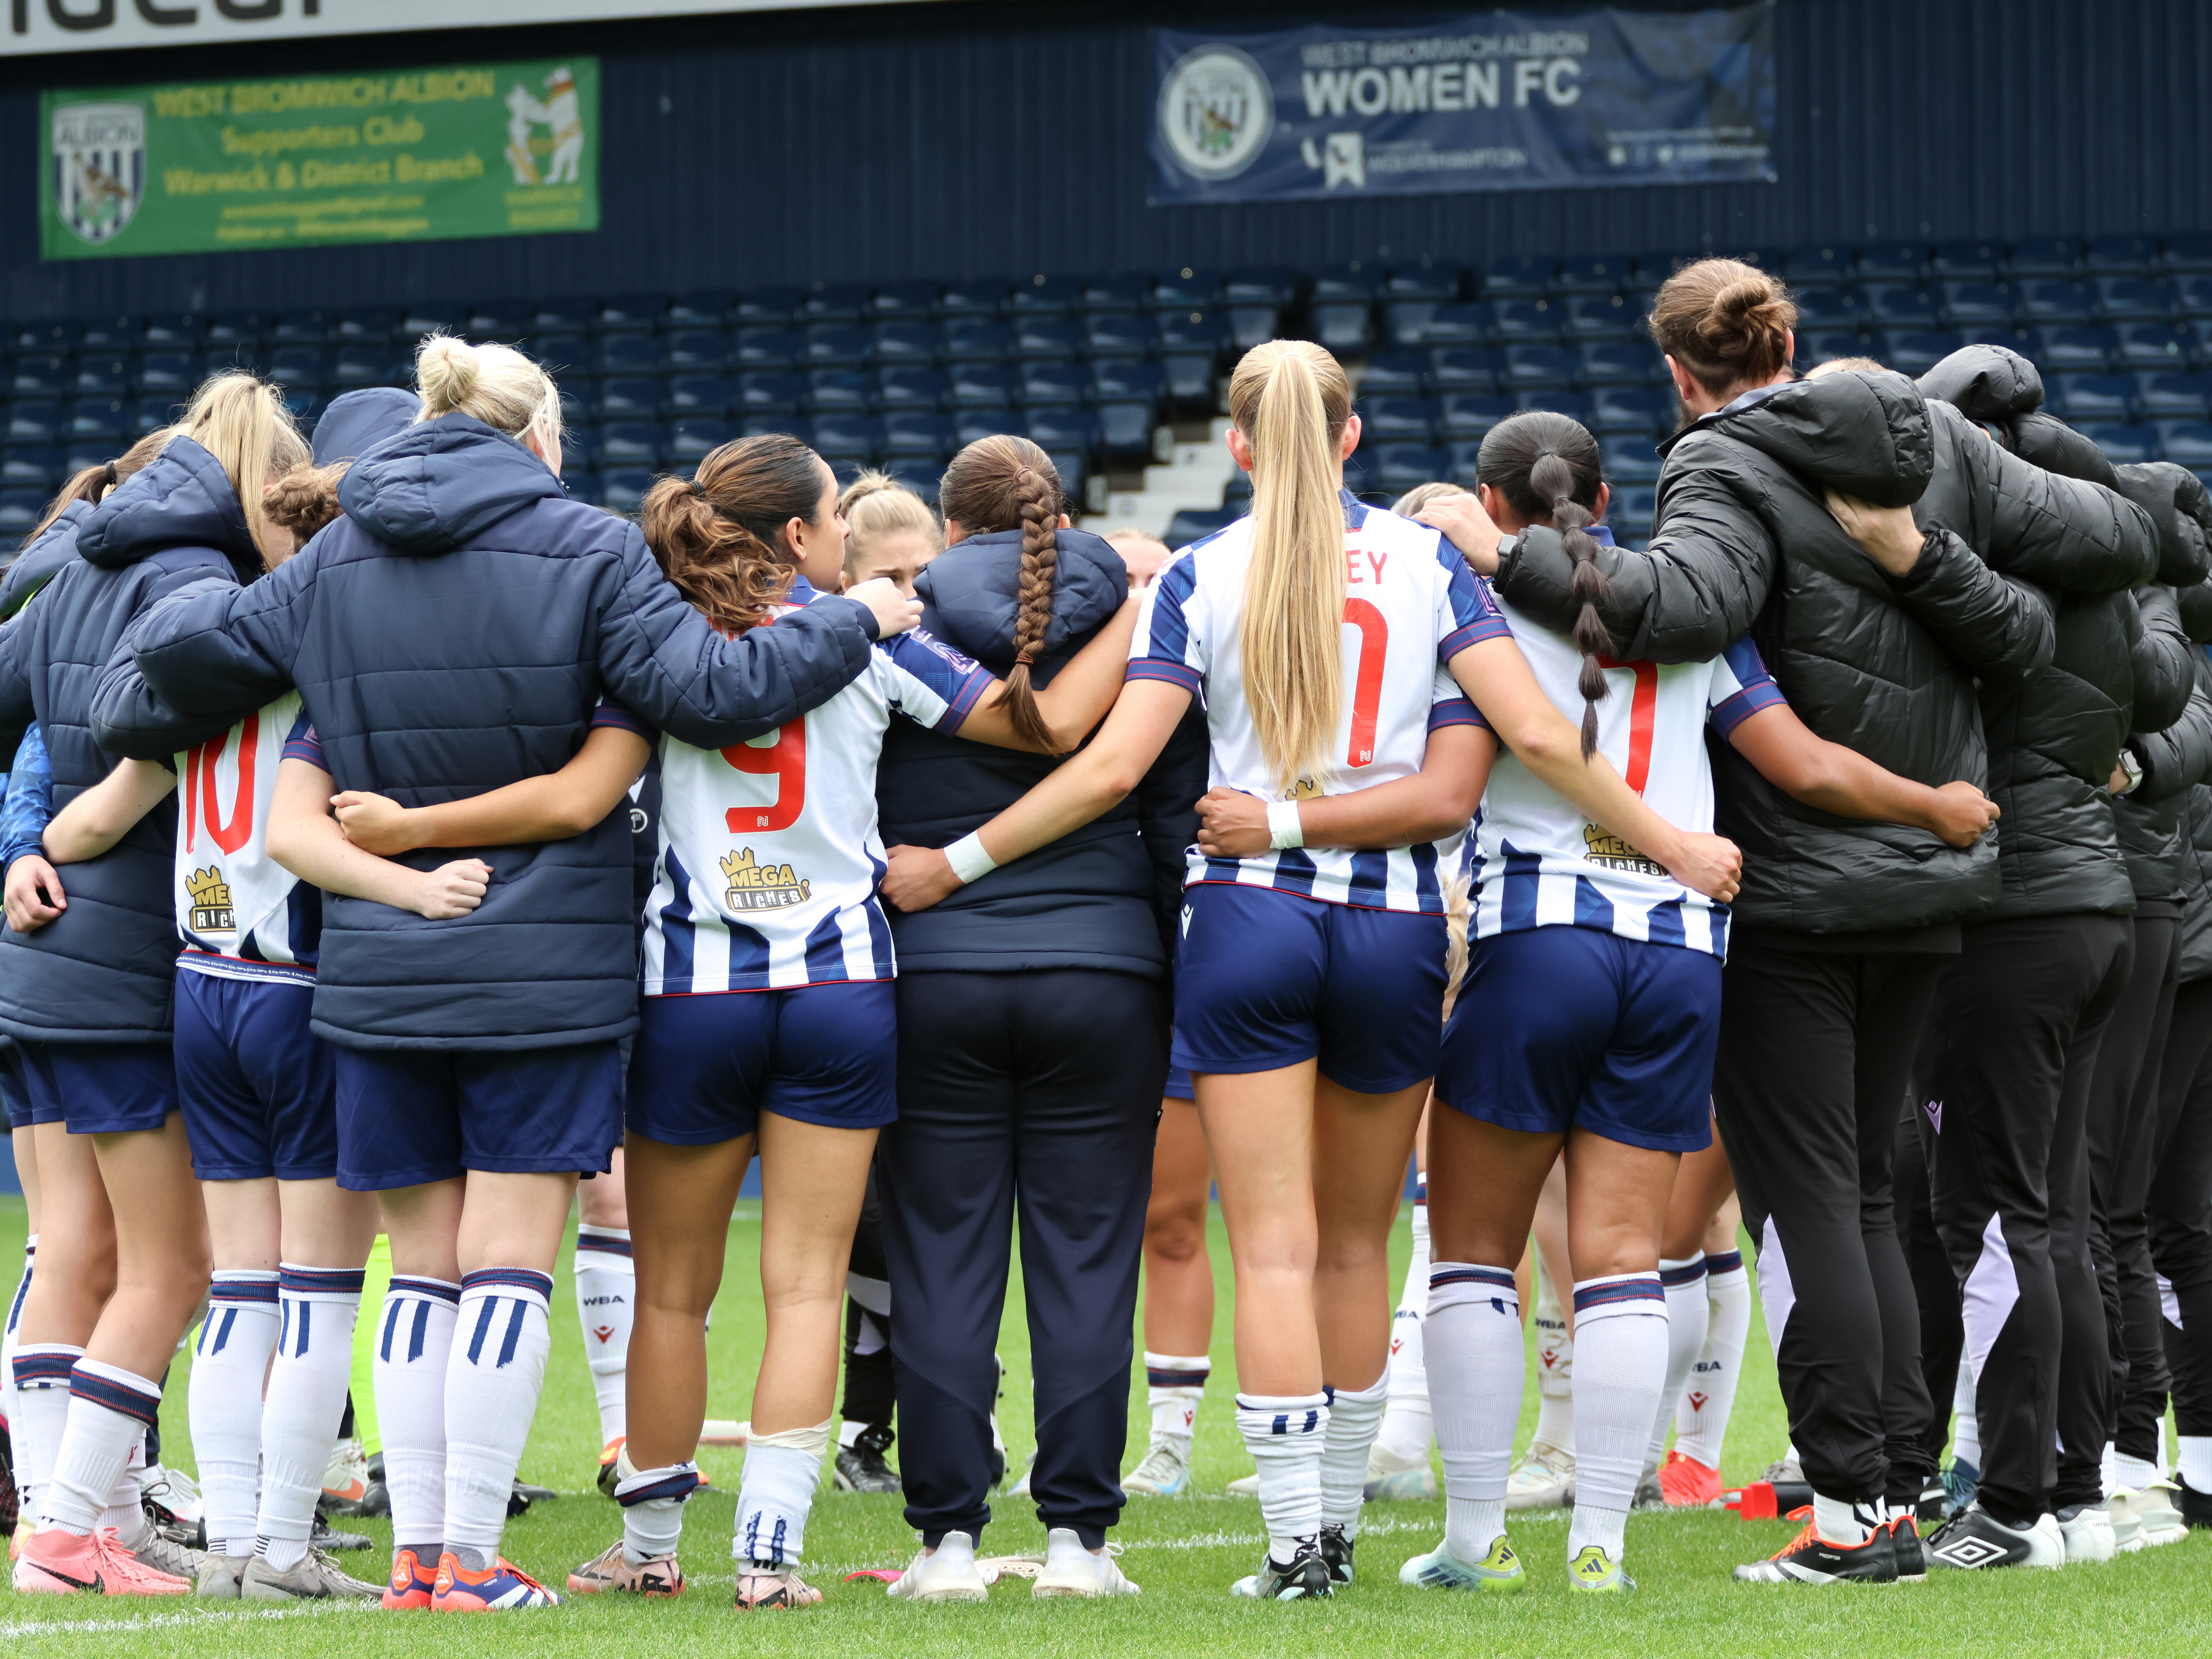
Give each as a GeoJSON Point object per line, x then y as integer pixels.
{"type": "Point", "coordinates": [200, 789]}
{"type": "Point", "coordinates": [1643, 719]}
{"type": "Point", "coordinates": [782, 758]}
{"type": "Point", "coordinates": [1367, 684]}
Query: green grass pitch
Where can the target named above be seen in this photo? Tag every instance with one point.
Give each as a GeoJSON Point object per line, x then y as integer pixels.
{"type": "Point", "coordinates": [1184, 1551]}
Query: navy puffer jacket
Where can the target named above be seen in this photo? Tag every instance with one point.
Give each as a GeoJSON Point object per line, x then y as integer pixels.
{"type": "Point", "coordinates": [1102, 897]}
{"type": "Point", "coordinates": [450, 634]}
{"type": "Point", "coordinates": [104, 969]}
{"type": "Point", "coordinates": [41, 558]}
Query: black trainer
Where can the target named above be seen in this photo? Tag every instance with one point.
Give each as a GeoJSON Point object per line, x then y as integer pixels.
{"type": "Point", "coordinates": [1934, 1507]}
{"type": "Point", "coordinates": [1974, 1539]}
{"type": "Point", "coordinates": [861, 1466]}
{"type": "Point", "coordinates": [1912, 1554]}
{"type": "Point", "coordinates": [1336, 1554]}
{"type": "Point", "coordinates": [2196, 1507]}
{"type": "Point", "coordinates": [322, 1537]}
{"type": "Point", "coordinates": [1303, 1578]}
{"type": "Point", "coordinates": [1812, 1560]}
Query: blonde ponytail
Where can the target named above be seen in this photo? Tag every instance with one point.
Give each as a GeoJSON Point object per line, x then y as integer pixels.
{"type": "Point", "coordinates": [1290, 400]}
{"type": "Point", "coordinates": [493, 383]}
{"type": "Point", "coordinates": [242, 422]}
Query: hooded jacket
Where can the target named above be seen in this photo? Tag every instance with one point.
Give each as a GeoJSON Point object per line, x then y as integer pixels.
{"type": "Point", "coordinates": [1103, 896]}
{"type": "Point", "coordinates": [103, 970]}
{"type": "Point", "coordinates": [450, 634]}
{"type": "Point", "coordinates": [357, 421]}
{"type": "Point", "coordinates": [1744, 542]}
{"type": "Point", "coordinates": [37, 564]}
{"type": "Point", "coordinates": [2152, 819]}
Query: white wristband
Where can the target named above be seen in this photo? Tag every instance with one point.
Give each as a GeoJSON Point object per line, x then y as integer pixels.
{"type": "Point", "coordinates": [1284, 829]}
{"type": "Point", "coordinates": [967, 859]}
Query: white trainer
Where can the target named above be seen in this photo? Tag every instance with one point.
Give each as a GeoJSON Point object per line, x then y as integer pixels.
{"type": "Point", "coordinates": [1072, 1569]}
{"type": "Point", "coordinates": [1021, 1486]}
{"type": "Point", "coordinates": [2157, 1520]}
{"type": "Point", "coordinates": [947, 1573]}
{"type": "Point", "coordinates": [1544, 1479]}
{"type": "Point", "coordinates": [2087, 1529]}
{"type": "Point", "coordinates": [1245, 1486]}
{"type": "Point", "coordinates": [1165, 1470]}
{"type": "Point", "coordinates": [1391, 1475]}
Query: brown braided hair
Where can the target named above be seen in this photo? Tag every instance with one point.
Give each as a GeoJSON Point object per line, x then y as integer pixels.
{"type": "Point", "coordinates": [996, 484]}
{"type": "Point", "coordinates": [1546, 465]}
{"type": "Point", "coordinates": [719, 536]}
{"type": "Point", "coordinates": [305, 499]}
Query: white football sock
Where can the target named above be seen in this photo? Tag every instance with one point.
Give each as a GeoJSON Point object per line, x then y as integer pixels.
{"type": "Point", "coordinates": [1174, 1383]}
{"type": "Point", "coordinates": [42, 1396]}
{"type": "Point", "coordinates": [414, 1340]}
{"type": "Point", "coordinates": [606, 1305]}
{"type": "Point", "coordinates": [8, 1356]}
{"type": "Point", "coordinates": [1284, 1433]}
{"type": "Point", "coordinates": [1701, 1417]}
{"type": "Point", "coordinates": [2195, 1462]}
{"type": "Point", "coordinates": [1555, 1367]}
{"type": "Point", "coordinates": [653, 1507]}
{"type": "Point", "coordinates": [1474, 1328]}
{"type": "Point", "coordinates": [1407, 1425]}
{"type": "Point", "coordinates": [110, 1411]}
{"type": "Point", "coordinates": [126, 1514]}
{"type": "Point", "coordinates": [1620, 1369]}
{"type": "Point", "coordinates": [1354, 1415]}
{"type": "Point", "coordinates": [776, 1493]}
{"type": "Point", "coordinates": [493, 1381]}
{"type": "Point", "coordinates": [1842, 1521]}
{"type": "Point", "coordinates": [1965, 1432]}
{"type": "Point", "coordinates": [2130, 1473]}
{"type": "Point", "coordinates": [307, 1399]}
{"type": "Point", "coordinates": [1684, 1282]}
{"type": "Point", "coordinates": [222, 1402]}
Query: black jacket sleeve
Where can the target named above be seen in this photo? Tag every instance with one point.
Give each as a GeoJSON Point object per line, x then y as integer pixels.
{"type": "Point", "coordinates": [2003, 629]}
{"type": "Point", "coordinates": [2161, 657]}
{"type": "Point", "coordinates": [2180, 756]}
{"type": "Point", "coordinates": [1688, 599]}
{"type": "Point", "coordinates": [2180, 512]}
{"type": "Point", "coordinates": [2063, 534]}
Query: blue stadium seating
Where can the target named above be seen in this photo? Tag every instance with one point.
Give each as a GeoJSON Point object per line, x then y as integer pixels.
{"type": "Point", "coordinates": [1970, 260]}
{"type": "Point", "coordinates": [1471, 414]}
{"type": "Point", "coordinates": [845, 391]}
{"type": "Point", "coordinates": [2160, 397]}
{"type": "Point", "coordinates": [767, 307]}
{"type": "Point", "coordinates": [2045, 256]}
{"type": "Point", "coordinates": [911, 388]}
{"type": "Point", "coordinates": [701, 308]}
{"type": "Point", "coordinates": [696, 351]}
{"type": "Point", "coordinates": [1463, 369]}
{"type": "Point", "coordinates": [1630, 459]}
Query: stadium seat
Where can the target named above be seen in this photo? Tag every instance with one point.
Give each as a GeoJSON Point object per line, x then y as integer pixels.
{"type": "Point", "coordinates": [633, 314]}
{"type": "Point", "coordinates": [1630, 512]}
{"type": "Point", "coordinates": [1122, 293]}
{"type": "Point", "coordinates": [1073, 466]}
{"type": "Point", "coordinates": [849, 391]}
{"type": "Point", "coordinates": [622, 489]}
{"type": "Point", "coordinates": [1120, 334]}
{"type": "Point", "coordinates": [175, 332]}
{"type": "Point", "coordinates": [796, 426]}
{"type": "Point", "coordinates": [582, 484]}
{"type": "Point", "coordinates": [311, 328]}
{"type": "Point", "coordinates": [1356, 284]}
{"type": "Point", "coordinates": [46, 337]}
{"type": "Point", "coordinates": [692, 440]}
{"type": "Point", "coordinates": [901, 302]}
{"type": "Point", "coordinates": [843, 436]}
{"type": "Point", "coordinates": [911, 342]}
{"type": "Point", "coordinates": [2024, 342]}
{"type": "Point", "coordinates": [2122, 256]}
{"type": "Point", "coordinates": [1252, 325]}
{"type": "Point", "coordinates": [2045, 256]}
{"type": "Point", "coordinates": [833, 345]}
{"type": "Point", "coordinates": [1602, 317]}
{"type": "Point", "coordinates": [98, 420]}
{"type": "Point", "coordinates": [1464, 414]}
{"type": "Point", "coordinates": [580, 448]}
{"type": "Point", "coordinates": [970, 340]}
{"type": "Point", "coordinates": [2171, 397]}
{"type": "Point", "coordinates": [982, 384]}
{"type": "Point", "coordinates": [1404, 321]}
{"type": "Point", "coordinates": [2089, 349]}
{"type": "Point", "coordinates": [1056, 430]}
{"type": "Point", "coordinates": [1978, 304]}
{"type": "Point", "coordinates": [1602, 273]}
{"type": "Point", "coordinates": [2192, 294]}
{"type": "Point", "coordinates": [1898, 305]}
{"type": "Point", "coordinates": [1630, 459]}
{"type": "Point", "coordinates": [176, 373]}
{"type": "Point", "coordinates": [1470, 324]}
{"type": "Point", "coordinates": [922, 477]}
{"type": "Point", "coordinates": [25, 468]}
{"type": "Point", "coordinates": [1424, 279]}
{"type": "Point", "coordinates": [104, 375]}
{"type": "Point", "coordinates": [150, 413]}
{"type": "Point", "coordinates": [701, 308]}
{"type": "Point", "coordinates": [1535, 366]}
{"type": "Point", "coordinates": [969, 424]}
{"type": "Point", "coordinates": [20, 511]}
{"type": "Point", "coordinates": [701, 394]}
{"type": "Point", "coordinates": [1576, 406]}
{"type": "Point", "coordinates": [549, 317]}
{"type": "Point", "coordinates": [1615, 362]}
{"type": "Point", "coordinates": [631, 354]}
{"type": "Point", "coordinates": [918, 434]}
{"type": "Point", "coordinates": [1187, 289]}
{"type": "Point", "coordinates": [2134, 300]}
{"type": "Point", "coordinates": [1264, 286]}
{"type": "Point", "coordinates": [770, 393]}
{"type": "Point", "coordinates": [1192, 333]}
{"type": "Point", "coordinates": [2122, 446]}
{"type": "Point", "coordinates": [299, 366]}
{"type": "Point", "coordinates": [2091, 396]}
{"type": "Point", "coordinates": [1404, 372]}
{"type": "Point", "coordinates": [414, 322]}
{"type": "Point", "coordinates": [1396, 468]}
{"type": "Point", "coordinates": [1346, 329]}
{"type": "Point", "coordinates": [307, 405]}
{"type": "Point", "coordinates": [911, 388]}
{"type": "Point", "coordinates": [373, 323]}
{"type": "Point", "coordinates": [1812, 263]}
{"type": "Point", "coordinates": [1192, 381]}
{"type": "Point", "coordinates": [2154, 345]}
{"type": "Point", "coordinates": [1397, 420]}
{"type": "Point", "coordinates": [1636, 408]}
{"type": "Point", "coordinates": [633, 443]}
{"type": "Point", "coordinates": [1237, 494]}
{"type": "Point", "coordinates": [2186, 442]}
{"type": "Point", "coordinates": [698, 351]}
{"type": "Point", "coordinates": [1892, 262]}
{"type": "Point", "coordinates": [1060, 385]}
{"type": "Point", "coordinates": [1125, 379]}
{"type": "Point", "coordinates": [1536, 320]}
{"type": "Point", "coordinates": [766, 350]}
{"type": "Point", "coordinates": [1125, 431]}
{"type": "Point", "coordinates": [834, 302]}
{"type": "Point", "coordinates": [1045, 296]}
{"type": "Point", "coordinates": [1463, 369]}
{"type": "Point", "coordinates": [983, 299]}
{"type": "Point", "coordinates": [1195, 524]}
{"type": "Point", "coordinates": [1525, 277]}
{"type": "Point", "coordinates": [42, 374]}
{"type": "Point", "coordinates": [225, 329]}
{"type": "Point", "coordinates": [632, 398]}
{"type": "Point", "coordinates": [2188, 250]}
{"type": "Point", "coordinates": [1048, 336]}
{"type": "Point", "coordinates": [2055, 302]}
{"type": "Point", "coordinates": [767, 307]}
{"type": "Point", "coordinates": [1971, 259]}
{"type": "Point", "coordinates": [1915, 351]}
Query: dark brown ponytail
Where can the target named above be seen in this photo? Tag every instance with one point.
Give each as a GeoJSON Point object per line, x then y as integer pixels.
{"type": "Point", "coordinates": [717, 536]}
{"type": "Point", "coordinates": [1546, 465]}
{"type": "Point", "coordinates": [996, 484]}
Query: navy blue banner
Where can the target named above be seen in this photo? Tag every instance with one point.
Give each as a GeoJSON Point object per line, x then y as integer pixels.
{"type": "Point", "coordinates": [1493, 101]}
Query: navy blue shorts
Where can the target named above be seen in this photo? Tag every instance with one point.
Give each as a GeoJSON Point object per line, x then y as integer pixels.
{"type": "Point", "coordinates": [260, 1092]}
{"type": "Point", "coordinates": [1266, 979]}
{"type": "Point", "coordinates": [1560, 1028]}
{"type": "Point", "coordinates": [12, 1089]}
{"type": "Point", "coordinates": [409, 1116]}
{"type": "Point", "coordinates": [99, 1088]}
{"type": "Point", "coordinates": [707, 1066]}
{"type": "Point", "coordinates": [1178, 1084]}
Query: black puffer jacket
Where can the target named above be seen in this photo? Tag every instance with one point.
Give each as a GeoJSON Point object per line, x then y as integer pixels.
{"type": "Point", "coordinates": [1745, 543]}
{"type": "Point", "coordinates": [2152, 816]}
{"type": "Point", "coordinates": [2196, 914]}
{"type": "Point", "coordinates": [104, 970]}
{"type": "Point", "coordinates": [1101, 897]}
{"type": "Point", "coordinates": [2053, 741]}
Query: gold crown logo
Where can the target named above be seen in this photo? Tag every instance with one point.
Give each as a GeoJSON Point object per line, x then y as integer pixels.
{"type": "Point", "coordinates": [755, 886]}
{"type": "Point", "coordinates": [208, 887]}
{"type": "Point", "coordinates": [1610, 852]}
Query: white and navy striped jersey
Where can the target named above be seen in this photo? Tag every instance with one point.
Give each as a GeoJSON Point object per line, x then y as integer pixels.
{"type": "Point", "coordinates": [1538, 862]}
{"type": "Point", "coordinates": [240, 914]}
{"type": "Point", "coordinates": [1411, 604]}
{"type": "Point", "coordinates": [769, 858]}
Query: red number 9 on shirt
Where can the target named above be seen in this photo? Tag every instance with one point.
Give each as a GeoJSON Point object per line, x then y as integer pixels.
{"type": "Point", "coordinates": [782, 758]}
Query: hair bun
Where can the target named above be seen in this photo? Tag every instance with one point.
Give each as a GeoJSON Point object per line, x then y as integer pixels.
{"type": "Point", "coordinates": [445, 372]}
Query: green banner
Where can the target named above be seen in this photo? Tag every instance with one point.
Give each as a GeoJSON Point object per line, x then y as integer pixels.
{"type": "Point", "coordinates": [503, 149]}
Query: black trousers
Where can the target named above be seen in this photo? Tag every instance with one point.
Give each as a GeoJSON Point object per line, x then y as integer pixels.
{"type": "Point", "coordinates": [1943, 1333]}
{"type": "Point", "coordinates": [1815, 1050]}
{"type": "Point", "coordinates": [2122, 1134]}
{"type": "Point", "coordinates": [2181, 1202]}
{"type": "Point", "coordinates": [1044, 1086]}
{"type": "Point", "coordinates": [2018, 1019]}
{"type": "Point", "coordinates": [871, 1382]}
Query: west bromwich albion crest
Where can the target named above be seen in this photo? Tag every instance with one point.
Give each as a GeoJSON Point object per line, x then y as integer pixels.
{"type": "Point", "coordinates": [763, 886]}
{"type": "Point", "coordinates": [99, 167]}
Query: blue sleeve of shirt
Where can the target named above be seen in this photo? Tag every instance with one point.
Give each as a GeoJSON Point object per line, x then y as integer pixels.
{"type": "Point", "coordinates": [30, 801]}
{"type": "Point", "coordinates": [1473, 617]}
{"type": "Point", "coordinates": [1755, 688]}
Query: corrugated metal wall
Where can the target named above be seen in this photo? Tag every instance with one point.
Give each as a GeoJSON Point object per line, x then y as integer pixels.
{"type": "Point", "coordinates": [974, 140]}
